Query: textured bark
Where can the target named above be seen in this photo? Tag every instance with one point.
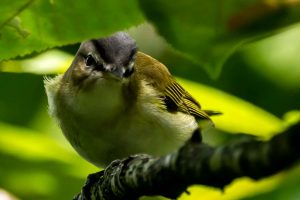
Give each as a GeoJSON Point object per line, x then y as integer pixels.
{"type": "Point", "coordinates": [194, 163]}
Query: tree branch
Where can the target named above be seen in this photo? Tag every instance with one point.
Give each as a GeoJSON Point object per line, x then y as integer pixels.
{"type": "Point", "coordinates": [193, 163]}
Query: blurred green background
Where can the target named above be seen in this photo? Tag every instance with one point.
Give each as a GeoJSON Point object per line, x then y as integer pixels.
{"type": "Point", "coordinates": [241, 58]}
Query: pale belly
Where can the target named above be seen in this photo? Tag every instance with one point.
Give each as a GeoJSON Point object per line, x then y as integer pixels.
{"type": "Point", "coordinates": [99, 132]}
{"type": "Point", "coordinates": [156, 134]}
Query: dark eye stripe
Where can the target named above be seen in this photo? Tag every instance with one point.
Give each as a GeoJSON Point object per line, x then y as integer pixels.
{"type": "Point", "coordinates": [132, 53]}
{"type": "Point", "coordinates": [130, 57]}
{"type": "Point", "coordinates": [100, 48]}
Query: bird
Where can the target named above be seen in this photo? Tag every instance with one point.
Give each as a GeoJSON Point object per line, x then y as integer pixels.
{"type": "Point", "coordinates": [115, 101]}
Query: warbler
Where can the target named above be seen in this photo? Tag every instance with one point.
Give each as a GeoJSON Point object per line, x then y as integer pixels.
{"type": "Point", "coordinates": [115, 101]}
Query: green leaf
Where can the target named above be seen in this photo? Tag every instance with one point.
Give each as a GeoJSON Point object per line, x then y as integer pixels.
{"type": "Point", "coordinates": [35, 166]}
{"type": "Point", "coordinates": [288, 188]}
{"type": "Point", "coordinates": [239, 116]}
{"type": "Point", "coordinates": [10, 9]}
{"type": "Point", "coordinates": [208, 32]}
{"type": "Point", "coordinates": [45, 24]}
{"type": "Point", "coordinates": [281, 65]}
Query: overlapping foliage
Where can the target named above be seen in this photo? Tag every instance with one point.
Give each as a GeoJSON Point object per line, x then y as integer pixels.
{"type": "Point", "coordinates": [257, 88]}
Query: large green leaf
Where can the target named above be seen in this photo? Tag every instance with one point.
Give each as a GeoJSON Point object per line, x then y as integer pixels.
{"type": "Point", "coordinates": [45, 24]}
{"type": "Point", "coordinates": [207, 32]}
{"type": "Point", "coordinates": [9, 9]}
{"type": "Point", "coordinates": [281, 65]}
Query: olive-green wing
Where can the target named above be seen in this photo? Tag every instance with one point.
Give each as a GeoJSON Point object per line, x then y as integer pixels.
{"type": "Point", "coordinates": [174, 97]}
{"type": "Point", "coordinates": [179, 98]}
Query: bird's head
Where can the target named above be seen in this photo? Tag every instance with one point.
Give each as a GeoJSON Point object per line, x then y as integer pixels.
{"type": "Point", "coordinates": [110, 58]}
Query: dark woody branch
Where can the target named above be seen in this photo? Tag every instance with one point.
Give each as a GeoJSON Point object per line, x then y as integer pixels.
{"type": "Point", "coordinates": [193, 163]}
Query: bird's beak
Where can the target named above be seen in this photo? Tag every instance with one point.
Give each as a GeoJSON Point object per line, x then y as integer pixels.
{"type": "Point", "coordinates": [116, 70]}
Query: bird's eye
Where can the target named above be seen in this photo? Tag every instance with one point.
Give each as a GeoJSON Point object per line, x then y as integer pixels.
{"type": "Point", "coordinates": [90, 61]}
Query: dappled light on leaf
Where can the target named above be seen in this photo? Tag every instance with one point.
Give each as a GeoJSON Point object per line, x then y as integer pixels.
{"type": "Point", "coordinates": [238, 189]}
{"type": "Point", "coordinates": [49, 62]}
{"type": "Point", "coordinates": [34, 146]}
{"type": "Point", "coordinates": [36, 166]}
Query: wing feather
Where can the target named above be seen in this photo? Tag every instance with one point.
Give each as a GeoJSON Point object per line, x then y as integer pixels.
{"type": "Point", "coordinates": [172, 95]}
{"type": "Point", "coordinates": [184, 101]}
